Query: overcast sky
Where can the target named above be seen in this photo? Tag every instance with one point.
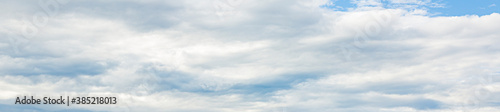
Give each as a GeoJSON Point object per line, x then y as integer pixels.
{"type": "Point", "coordinates": [255, 56]}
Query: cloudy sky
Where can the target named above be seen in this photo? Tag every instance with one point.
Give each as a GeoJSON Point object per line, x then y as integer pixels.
{"type": "Point", "coordinates": [253, 56]}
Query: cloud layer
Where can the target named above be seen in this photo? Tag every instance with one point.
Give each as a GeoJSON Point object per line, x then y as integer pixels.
{"type": "Point", "coordinates": [234, 55]}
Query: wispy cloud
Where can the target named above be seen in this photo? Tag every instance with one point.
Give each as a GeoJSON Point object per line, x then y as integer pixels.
{"type": "Point", "coordinates": [492, 5]}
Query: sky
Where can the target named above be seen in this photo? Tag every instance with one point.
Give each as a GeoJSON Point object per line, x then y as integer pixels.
{"type": "Point", "coordinates": [433, 7]}
{"type": "Point", "coordinates": [253, 56]}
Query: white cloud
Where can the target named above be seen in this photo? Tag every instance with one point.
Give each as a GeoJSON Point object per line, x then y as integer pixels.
{"type": "Point", "coordinates": [254, 56]}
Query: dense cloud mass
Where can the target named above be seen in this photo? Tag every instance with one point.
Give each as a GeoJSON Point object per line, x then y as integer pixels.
{"type": "Point", "coordinates": [247, 55]}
